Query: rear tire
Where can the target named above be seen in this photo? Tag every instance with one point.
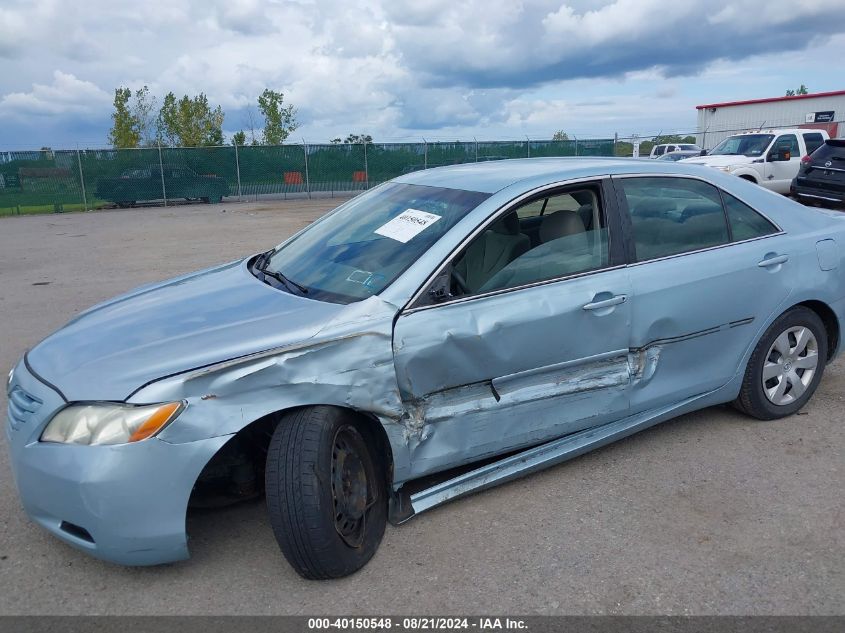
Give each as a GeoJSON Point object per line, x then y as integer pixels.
{"type": "Point", "coordinates": [326, 492]}
{"type": "Point", "coordinates": [786, 366]}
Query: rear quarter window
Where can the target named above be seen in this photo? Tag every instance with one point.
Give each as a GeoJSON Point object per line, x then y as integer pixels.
{"type": "Point", "coordinates": [746, 223]}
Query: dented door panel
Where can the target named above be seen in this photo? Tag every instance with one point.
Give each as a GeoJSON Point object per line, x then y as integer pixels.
{"type": "Point", "coordinates": [698, 313]}
{"type": "Point", "coordinates": [490, 374]}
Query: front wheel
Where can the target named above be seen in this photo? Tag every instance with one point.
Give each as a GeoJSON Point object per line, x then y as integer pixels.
{"type": "Point", "coordinates": [785, 367]}
{"type": "Point", "coordinates": [326, 492]}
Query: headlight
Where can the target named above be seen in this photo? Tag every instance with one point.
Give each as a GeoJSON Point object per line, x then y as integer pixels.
{"type": "Point", "coordinates": [104, 423]}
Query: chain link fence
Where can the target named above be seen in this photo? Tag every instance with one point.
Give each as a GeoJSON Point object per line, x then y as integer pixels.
{"type": "Point", "coordinates": [49, 181]}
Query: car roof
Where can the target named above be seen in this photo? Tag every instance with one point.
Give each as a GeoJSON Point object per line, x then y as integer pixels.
{"type": "Point", "coordinates": [493, 176]}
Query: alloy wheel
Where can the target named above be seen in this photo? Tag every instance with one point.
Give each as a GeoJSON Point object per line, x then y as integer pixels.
{"type": "Point", "coordinates": [790, 365]}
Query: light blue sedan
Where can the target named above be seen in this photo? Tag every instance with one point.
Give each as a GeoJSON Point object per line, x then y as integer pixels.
{"type": "Point", "coordinates": [447, 331]}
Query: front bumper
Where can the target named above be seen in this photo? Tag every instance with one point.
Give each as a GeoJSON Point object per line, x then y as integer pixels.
{"type": "Point", "coordinates": [124, 503]}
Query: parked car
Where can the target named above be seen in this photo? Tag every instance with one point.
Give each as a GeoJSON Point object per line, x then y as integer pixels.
{"type": "Point", "coordinates": [769, 158]}
{"type": "Point", "coordinates": [665, 148]}
{"type": "Point", "coordinates": [447, 331]}
{"type": "Point", "coordinates": [680, 155]}
{"type": "Point", "coordinates": [146, 184]}
{"type": "Point", "coordinates": [821, 177]}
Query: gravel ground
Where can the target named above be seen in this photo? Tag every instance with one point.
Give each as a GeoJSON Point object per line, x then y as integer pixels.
{"type": "Point", "coordinates": [712, 513]}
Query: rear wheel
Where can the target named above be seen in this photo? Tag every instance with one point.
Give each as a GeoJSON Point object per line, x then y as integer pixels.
{"type": "Point", "coordinates": [326, 492]}
{"type": "Point", "coordinates": [786, 366]}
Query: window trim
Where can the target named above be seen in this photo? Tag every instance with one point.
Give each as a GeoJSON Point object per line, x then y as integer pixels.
{"type": "Point", "coordinates": [627, 228]}
{"type": "Point", "coordinates": [614, 229]}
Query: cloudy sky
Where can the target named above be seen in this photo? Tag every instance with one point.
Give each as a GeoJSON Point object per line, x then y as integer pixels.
{"type": "Point", "coordinates": [401, 70]}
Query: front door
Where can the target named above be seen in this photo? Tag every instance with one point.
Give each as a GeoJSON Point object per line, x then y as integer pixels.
{"type": "Point", "coordinates": [781, 172]}
{"type": "Point", "coordinates": [528, 342]}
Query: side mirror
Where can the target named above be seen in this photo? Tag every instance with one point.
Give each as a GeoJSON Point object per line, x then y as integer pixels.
{"type": "Point", "coordinates": [703, 152]}
{"type": "Point", "coordinates": [777, 155]}
{"type": "Point", "coordinates": [440, 289]}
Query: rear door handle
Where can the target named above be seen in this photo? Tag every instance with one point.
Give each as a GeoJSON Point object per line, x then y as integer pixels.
{"type": "Point", "coordinates": [773, 261]}
{"type": "Point", "coordinates": [613, 301]}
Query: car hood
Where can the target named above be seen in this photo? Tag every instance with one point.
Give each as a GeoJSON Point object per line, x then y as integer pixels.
{"type": "Point", "coordinates": [721, 160]}
{"type": "Point", "coordinates": [116, 347]}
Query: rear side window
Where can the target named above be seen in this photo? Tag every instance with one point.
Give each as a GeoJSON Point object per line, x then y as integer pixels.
{"type": "Point", "coordinates": [746, 223]}
{"type": "Point", "coordinates": [813, 141]}
{"type": "Point", "coordinates": [670, 216]}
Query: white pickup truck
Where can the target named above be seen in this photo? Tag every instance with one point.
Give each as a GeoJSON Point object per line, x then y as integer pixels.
{"type": "Point", "coordinates": [770, 158]}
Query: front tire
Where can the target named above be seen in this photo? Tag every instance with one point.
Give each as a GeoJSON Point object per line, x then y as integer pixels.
{"type": "Point", "coordinates": [326, 492]}
{"type": "Point", "coordinates": [786, 366]}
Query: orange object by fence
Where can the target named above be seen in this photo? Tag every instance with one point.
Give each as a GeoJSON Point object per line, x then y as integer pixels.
{"type": "Point", "coordinates": [293, 178]}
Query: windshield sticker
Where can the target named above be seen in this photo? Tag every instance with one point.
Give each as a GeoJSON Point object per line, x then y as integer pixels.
{"type": "Point", "coordinates": [407, 224]}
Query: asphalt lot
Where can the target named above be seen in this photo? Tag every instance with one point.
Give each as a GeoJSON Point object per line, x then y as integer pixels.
{"type": "Point", "coordinates": [711, 513]}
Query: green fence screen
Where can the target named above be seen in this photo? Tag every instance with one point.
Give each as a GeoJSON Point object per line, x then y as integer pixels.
{"type": "Point", "coordinates": [70, 180]}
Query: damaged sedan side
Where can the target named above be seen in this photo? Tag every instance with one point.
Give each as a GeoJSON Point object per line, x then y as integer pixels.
{"type": "Point", "coordinates": [437, 335]}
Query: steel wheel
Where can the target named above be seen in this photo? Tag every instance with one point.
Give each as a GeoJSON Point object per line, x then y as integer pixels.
{"type": "Point", "coordinates": [326, 490]}
{"type": "Point", "coordinates": [352, 493]}
{"type": "Point", "coordinates": [790, 365]}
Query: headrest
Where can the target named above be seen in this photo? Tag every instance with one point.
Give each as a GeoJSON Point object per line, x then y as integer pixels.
{"type": "Point", "coordinates": [507, 225]}
{"type": "Point", "coordinates": [653, 207]}
{"type": "Point", "coordinates": [560, 224]}
{"type": "Point", "coordinates": [699, 208]}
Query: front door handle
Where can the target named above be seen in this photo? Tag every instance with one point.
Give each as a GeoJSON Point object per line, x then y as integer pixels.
{"type": "Point", "coordinates": [606, 303]}
{"type": "Point", "coordinates": [773, 260]}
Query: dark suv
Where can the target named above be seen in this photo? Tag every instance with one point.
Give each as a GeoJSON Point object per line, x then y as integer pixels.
{"type": "Point", "coordinates": [821, 178]}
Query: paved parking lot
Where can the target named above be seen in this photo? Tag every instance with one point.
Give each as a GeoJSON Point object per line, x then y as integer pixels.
{"type": "Point", "coordinates": [710, 513]}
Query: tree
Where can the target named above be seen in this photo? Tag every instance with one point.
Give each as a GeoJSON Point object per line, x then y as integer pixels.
{"type": "Point", "coordinates": [125, 128]}
{"type": "Point", "coordinates": [251, 125]}
{"type": "Point", "coordinates": [662, 139]}
{"type": "Point", "coordinates": [560, 135]}
{"type": "Point", "coordinates": [802, 90]}
{"type": "Point", "coordinates": [336, 141]}
{"type": "Point", "coordinates": [143, 109]}
{"type": "Point", "coordinates": [190, 122]}
{"type": "Point", "coordinates": [239, 138]}
{"type": "Point", "coordinates": [358, 138]}
{"type": "Point", "coordinates": [279, 119]}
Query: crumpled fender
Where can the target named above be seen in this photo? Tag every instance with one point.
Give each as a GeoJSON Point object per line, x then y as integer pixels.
{"type": "Point", "coordinates": [348, 363]}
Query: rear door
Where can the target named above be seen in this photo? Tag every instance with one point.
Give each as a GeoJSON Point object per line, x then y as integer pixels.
{"type": "Point", "coordinates": [535, 350]}
{"type": "Point", "coordinates": [701, 285]}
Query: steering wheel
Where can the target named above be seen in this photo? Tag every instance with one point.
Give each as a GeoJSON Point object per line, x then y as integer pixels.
{"type": "Point", "coordinates": [462, 284]}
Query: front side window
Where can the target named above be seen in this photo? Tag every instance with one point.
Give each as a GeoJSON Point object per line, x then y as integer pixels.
{"type": "Point", "coordinates": [674, 215]}
{"type": "Point", "coordinates": [363, 247]}
{"type": "Point", "coordinates": [513, 251]}
{"type": "Point", "coordinates": [788, 143]}
{"type": "Point", "coordinates": [743, 144]}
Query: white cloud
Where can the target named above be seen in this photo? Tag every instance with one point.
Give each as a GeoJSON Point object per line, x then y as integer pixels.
{"type": "Point", "coordinates": [65, 95]}
{"type": "Point", "coordinates": [405, 67]}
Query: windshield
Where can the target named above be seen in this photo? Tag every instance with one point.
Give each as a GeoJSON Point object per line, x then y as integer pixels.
{"type": "Point", "coordinates": [745, 144]}
{"type": "Point", "coordinates": [363, 247]}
